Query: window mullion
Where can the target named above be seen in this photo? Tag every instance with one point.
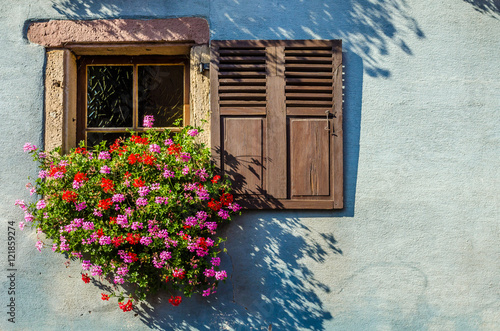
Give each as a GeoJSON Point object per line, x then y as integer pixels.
{"type": "Point", "coordinates": [135, 100]}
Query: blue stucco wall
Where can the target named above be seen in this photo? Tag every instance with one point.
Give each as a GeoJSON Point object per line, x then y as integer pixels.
{"type": "Point", "coordinates": [416, 246]}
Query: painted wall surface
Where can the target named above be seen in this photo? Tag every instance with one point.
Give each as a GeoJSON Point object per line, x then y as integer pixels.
{"type": "Point", "coordinates": [417, 245]}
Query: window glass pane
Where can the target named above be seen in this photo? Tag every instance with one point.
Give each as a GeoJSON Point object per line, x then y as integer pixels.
{"type": "Point", "coordinates": [161, 93]}
{"type": "Point", "coordinates": [109, 96]}
{"type": "Point", "coordinates": [94, 138]}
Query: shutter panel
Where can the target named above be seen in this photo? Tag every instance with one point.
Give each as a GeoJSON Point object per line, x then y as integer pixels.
{"type": "Point", "coordinates": [277, 121]}
{"type": "Point", "coordinates": [238, 132]}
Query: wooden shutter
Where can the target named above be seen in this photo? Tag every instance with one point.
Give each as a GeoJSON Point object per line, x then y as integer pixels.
{"type": "Point", "coordinates": [277, 121]}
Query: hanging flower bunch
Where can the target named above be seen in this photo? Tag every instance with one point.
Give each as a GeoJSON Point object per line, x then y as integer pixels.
{"type": "Point", "coordinates": [143, 211]}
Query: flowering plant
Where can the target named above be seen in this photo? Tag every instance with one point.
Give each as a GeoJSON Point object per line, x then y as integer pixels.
{"type": "Point", "coordinates": [142, 211]}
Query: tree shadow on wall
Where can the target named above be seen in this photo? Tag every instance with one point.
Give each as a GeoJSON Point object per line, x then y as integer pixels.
{"type": "Point", "coordinates": [87, 9]}
{"type": "Point", "coordinates": [271, 283]}
{"type": "Point", "coordinates": [372, 29]}
{"type": "Point", "coordinates": [109, 9]}
{"type": "Point", "coordinates": [489, 7]}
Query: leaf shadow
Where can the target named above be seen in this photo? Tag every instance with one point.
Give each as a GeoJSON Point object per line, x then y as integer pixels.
{"type": "Point", "coordinates": [273, 285]}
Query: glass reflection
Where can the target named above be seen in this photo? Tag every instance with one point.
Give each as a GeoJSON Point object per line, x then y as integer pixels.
{"type": "Point", "coordinates": [109, 96]}
{"type": "Point", "coordinates": [161, 93]}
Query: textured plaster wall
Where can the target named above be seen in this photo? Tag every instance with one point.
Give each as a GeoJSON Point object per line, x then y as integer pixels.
{"type": "Point", "coordinates": [416, 246]}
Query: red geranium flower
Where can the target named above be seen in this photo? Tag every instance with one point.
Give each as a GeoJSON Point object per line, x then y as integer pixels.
{"type": "Point", "coordinates": [105, 204]}
{"type": "Point", "coordinates": [148, 159]}
{"type": "Point", "coordinates": [80, 150]}
{"type": "Point", "coordinates": [107, 185]}
{"type": "Point", "coordinates": [69, 196]}
{"type": "Point", "coordinates": [215, 179]}
{"type": "Point", "coordinates": [133, 238]}
{"type": "Point", "coordinates": [174, 149]}
{"type": "Point", "coordinates": [55, 169]}
{"type": "Point", "coordinates": [105, 297]}
{"type": "Point", "coordinates": [85, 278]}
{"type": "Point", "coordinates": [80, 177]}
{"type": "Point", "coordinates": [215, 205]}
{"type": "Point", "coordinates": [139, 140]}
{"type": "Point", "coordinates": [175, 301]}
{"type": "Point", "coordinates": [202, 243]}
{"type": "Point", "coordinates": [133, 158]}
{"type": "Point", "coordinates": [178, 273]}
{"type": "Point", "coordinates": [125, 306]}
{"type": "Point", "coordinates": [138, 182]}
{"type": "Point", "coordinates": [133, 256]}
{"type": "Point", "coordinates": [117, 241]}
{"type": "Point", "coordinates": [116, 147]}
{"type": "Point", "coordinates": [226, 199]}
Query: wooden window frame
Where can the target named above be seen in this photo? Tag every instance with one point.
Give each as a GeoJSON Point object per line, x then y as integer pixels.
{"type": "Point", "coordinates": [134, 61]}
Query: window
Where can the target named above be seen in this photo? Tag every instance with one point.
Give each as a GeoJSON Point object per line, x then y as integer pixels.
{"type": "Point", "coordinates": [116, 92]}
{"type": "Point", "coordinates": [67, 41]}
{"type": "Point", "coordinates": [277, 121]}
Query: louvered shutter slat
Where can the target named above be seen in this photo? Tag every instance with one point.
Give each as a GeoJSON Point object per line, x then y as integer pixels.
{"type": "Point", "coordinates": [243, 95]}
{"type": "Point", "coordinates": [244, 59]}
{"type": "Point", "coordinates": [307, 74]}
{"type": "Point", "coordinates": [242, 81]}
{"type": "Point", "coordinates": [304, 66]}
{"type": "Point", "coordinates": [247, 74]}
{"type": "Point", "coordinates": [298, 88]}
{"type": "Point", "coordinates": [317, 95]}
{"type": "Point", "coordinates": [309, 81]}
{"type": "Point", "coordinates": [249, 67]}
{"type": "Point", "coordinates": [312, 102]}
{"type": "Point", "coordinates": [239, 88]}
{"type": "Point", "coordinates": [303, 52]}
{"type": "Point", "coordinates": [310, 59]}
{"type": "Point", "coordinates": [225, 52]}
{"type": "Point", "coordinates": [241, 103]}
